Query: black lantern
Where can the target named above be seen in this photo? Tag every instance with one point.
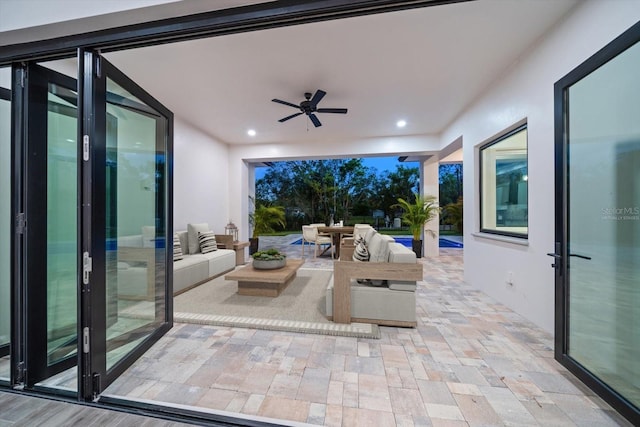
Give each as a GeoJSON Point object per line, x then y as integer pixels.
{"type": "Point", "coordinates": [231, 230]}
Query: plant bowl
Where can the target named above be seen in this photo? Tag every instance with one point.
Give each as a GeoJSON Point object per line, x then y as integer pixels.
{"type": "Point", "coordinates": [260, 264]}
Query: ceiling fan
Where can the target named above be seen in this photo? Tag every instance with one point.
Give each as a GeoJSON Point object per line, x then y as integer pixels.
{"type": "Point", "coordinates": [309, 107]}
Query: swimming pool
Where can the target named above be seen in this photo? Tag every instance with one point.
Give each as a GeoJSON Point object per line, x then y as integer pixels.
{"type": "Point", "coordinates": [406, 241]}
{"type": "Point", "coordinates": [443, 242]}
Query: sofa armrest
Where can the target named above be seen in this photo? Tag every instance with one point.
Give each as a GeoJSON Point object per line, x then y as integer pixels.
{"type": "Point", "coordinates": [344, 271]}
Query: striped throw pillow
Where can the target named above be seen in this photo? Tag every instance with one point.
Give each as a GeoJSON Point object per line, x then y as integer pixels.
{"type": "Point", "coordinates": [207, 241]}
{"type": "Point", "coordinates": [359, 239]}
{"type": "Point", "coordinates": [177, 248]}
{"type": "Point", "coordinates": [361, 253]}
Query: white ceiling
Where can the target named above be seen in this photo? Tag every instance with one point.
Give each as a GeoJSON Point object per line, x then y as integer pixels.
{"type": "Point", "coordinates": [422, 65]}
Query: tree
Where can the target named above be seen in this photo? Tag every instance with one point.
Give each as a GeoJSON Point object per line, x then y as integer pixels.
{"type": "Point", "coordinates": [452, 214]}
{"type": "Point", "coordinates": [450, 183]}
{"type": "Point", "coordinates": [401, 183]}
{"type": "Point", "coordinates": [319, 189]}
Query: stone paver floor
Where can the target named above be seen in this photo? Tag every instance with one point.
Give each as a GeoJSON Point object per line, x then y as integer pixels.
{"type": "Point", "coordinates": [470, 362]}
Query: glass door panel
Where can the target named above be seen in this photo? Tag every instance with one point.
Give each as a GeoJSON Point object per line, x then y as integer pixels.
{"type": "Point", "coordinates": [5, 231]}
{"type": "Point", "coordinates": [130, 218]}
{"type": "Point", "coordinates": [49, 199]}
{"type": "Point", "coordinates": [604, 224]}
{"type": "Point", "coordinates": [62, 247]}
{"type": "Point", "coordinates": [133, 187]}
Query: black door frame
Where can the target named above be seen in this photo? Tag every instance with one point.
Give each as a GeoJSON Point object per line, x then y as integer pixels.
{"type": "Point", "coordinates": [562, 271]}
{"type": "Point", "coordinates": [35, 113]}
{"type": "Point", "coordinates": [94, 375]}
{"type": "Point", "coordinates": [259, 17]}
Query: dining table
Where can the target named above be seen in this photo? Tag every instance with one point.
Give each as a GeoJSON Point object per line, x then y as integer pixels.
{"type": "Point", "coordinates": [336, 233]}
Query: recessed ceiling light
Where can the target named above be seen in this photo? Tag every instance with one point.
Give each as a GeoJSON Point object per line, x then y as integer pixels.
{"type": "Point", "coordinates": [251, 132]}
{"type": "Point", "coordinates": [401, 123]}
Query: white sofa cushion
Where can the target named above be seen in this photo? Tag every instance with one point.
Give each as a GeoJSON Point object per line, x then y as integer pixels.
{"type": "Point", "coordinates": [218, 262]}
{"type": "Point", "coordinates": [379, 247]}
{"type": "Point", "coordinates": [183, 235]}
{"type": "Point", "coordinates": [369, 234]}
{"type": "Point", "coordinates": [401, 285]}
{"type": "Point", "coordinates": [189, 271]}
{"type": "Point", "coordinates": [193, 230]}
{"type": "Point", "coordinates": [376, 303]}
{"type": "Point", "coordinates": [401, 254]}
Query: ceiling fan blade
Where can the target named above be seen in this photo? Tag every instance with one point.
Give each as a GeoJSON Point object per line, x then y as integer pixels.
{"type": "Point", "coordinates": [279, 101]}
{"type": "Point", "coordinates": [332, 110]}
{"type": "Point", "coordinates": [315, 120]}
{"type": "Point", "coordinates": [289, 117]}
{"type": "Point", "coordinates": [317, 97]}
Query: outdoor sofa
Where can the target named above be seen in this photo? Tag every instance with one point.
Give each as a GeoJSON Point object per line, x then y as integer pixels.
{"type": "Point", "coordinates": [381, 290]}
{"type": "Point", "coordinates": [191, 267]}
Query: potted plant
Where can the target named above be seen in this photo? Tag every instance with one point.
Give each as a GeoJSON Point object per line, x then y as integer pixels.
{"type": "Point", "coordinates": [416, 215]}
{"type": "Point", "coordinates": [269, 259]}
{"type": "Point", "coordinates": [263, 220]}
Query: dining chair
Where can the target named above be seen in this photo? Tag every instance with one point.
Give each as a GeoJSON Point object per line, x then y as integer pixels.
{"type": "Point", "coordinates": [310, 235]}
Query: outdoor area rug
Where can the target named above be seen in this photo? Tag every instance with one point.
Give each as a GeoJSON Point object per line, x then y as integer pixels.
{"type": "Point", "coordinates": [299, 308]}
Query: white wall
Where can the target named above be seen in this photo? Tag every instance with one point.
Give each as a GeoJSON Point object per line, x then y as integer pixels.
{"type": "Point", "coordinates": [201, 172]}
{"type": "Point", "coordinates": [526, 91]}
{"type": "Point", "coordinates": [240, 157]}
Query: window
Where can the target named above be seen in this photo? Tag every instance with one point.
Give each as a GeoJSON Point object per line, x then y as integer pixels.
{"type": "Point", "coordinates": [504, 200]}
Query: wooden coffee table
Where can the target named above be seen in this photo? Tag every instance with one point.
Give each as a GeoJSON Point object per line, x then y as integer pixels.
{"type": "Point", "coordinates": [265, 283]}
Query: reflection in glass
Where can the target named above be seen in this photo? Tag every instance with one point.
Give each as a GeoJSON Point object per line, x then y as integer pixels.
{"type": "Point", "coordinates": [5, 235]}
{"type": "Point", "coordinates": [504, 198]}
{"type": "Point", "coordinates": [135, 226]}
{"type": "Point", "coordinates": [604, 223]}
{"type": "Point", "coordinates": [61, 224]}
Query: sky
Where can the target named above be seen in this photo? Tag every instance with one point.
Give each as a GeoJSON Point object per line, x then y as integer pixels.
{"type": "Point", "coordinates": [380, 163]}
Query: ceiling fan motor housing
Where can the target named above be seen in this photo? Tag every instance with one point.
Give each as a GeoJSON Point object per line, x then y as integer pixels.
{"type": "Point", "coordinates": [306, 107]}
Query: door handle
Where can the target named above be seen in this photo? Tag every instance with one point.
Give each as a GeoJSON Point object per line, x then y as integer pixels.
{"type": "Point", "coordinates": [581, 256]}
{"type": "Point", "coordinates": [556, 263]}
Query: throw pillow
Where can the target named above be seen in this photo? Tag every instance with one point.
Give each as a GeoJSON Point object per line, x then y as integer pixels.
{"type": "Point", "coordinates": [192, 231]}
{"type": "Point", "coordinates": [361, 253]}
{"type": "Point", "coordinates": [207, 242]}
{"type": "Point", "coordinates": [358, 239]}
{"type": "Point", "coordinates": [177, 248]}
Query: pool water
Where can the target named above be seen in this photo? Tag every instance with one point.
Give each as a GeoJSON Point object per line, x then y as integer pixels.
{"type": "Point", "coordinates": [443, 242]}
{"type": "Point", "coordinates": [406, 241]}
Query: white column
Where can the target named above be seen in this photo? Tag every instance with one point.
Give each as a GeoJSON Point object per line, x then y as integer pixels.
{"type": "Point", "coordinates": [430, 185]}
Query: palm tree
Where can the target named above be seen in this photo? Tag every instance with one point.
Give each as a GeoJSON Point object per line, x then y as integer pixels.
{"type": "Point", "coordinates": [263, 220]}
{"type": "Point", "coordinates": [416, 215]}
